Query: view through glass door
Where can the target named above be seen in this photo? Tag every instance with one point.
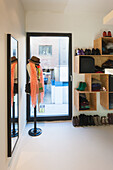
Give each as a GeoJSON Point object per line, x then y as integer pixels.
{"type": "Point", "coordinates": [54, 52]}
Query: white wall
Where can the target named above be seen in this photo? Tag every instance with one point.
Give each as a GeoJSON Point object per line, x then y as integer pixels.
{"type": "Point", "coordinates": [11, 21]}
{"type": "Point", "coordinates": [85, 27]}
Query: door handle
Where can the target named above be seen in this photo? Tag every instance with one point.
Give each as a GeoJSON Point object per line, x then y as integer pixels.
{"type": "Point", "coordinates": [71, 77]}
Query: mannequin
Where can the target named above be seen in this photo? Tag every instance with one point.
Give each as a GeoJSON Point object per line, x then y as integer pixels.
{"type": "Point", "coordinates": [35, 89]}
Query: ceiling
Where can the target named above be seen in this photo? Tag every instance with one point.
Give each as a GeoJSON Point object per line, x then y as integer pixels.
{"type": "Point", "coordinates": [69, 6]}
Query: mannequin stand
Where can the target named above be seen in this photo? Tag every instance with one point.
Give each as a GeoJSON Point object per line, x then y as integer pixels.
{"type": "Point", "coordinates": [35, 131]}
{"type": "Point", "coordinates": [14, 132]}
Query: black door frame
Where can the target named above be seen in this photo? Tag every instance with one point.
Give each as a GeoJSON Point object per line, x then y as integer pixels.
{"type": "Point", "coordinates": [39, 34]}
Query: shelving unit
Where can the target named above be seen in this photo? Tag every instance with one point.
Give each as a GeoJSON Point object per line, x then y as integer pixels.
{"type": "Point", "coordinates": [105, 96]}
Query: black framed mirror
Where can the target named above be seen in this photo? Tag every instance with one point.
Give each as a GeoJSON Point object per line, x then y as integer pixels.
{"type": "Point", "coordinates": [12, 93]}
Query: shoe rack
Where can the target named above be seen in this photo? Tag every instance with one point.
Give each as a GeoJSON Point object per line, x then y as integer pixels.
{"type": "Point", "coordinates": [105, 96]}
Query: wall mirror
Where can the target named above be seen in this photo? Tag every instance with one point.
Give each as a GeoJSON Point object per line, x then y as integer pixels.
{"type": "Point", "coordinates": [12, 93]}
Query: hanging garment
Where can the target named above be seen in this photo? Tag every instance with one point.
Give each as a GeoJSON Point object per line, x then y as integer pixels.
{"type": "Point", "coordinates": [12, 81]}
{"type": "Point", "coordinates": [34, 83]}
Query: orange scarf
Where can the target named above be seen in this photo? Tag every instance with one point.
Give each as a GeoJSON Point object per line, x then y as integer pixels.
{"type": "Point", "coordinates": [12, 81]}
{"type": "Point", "coordinates": [35, 85]}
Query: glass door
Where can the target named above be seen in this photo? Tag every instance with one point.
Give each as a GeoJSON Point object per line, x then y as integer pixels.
{"type": "Point", "coordinates": [55, 53]}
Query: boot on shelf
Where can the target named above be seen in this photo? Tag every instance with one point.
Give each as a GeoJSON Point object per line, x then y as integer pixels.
{"type": "Point", "coordinates": [83, 86]}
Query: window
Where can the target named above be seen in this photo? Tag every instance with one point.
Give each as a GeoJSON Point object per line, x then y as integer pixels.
{"type": "Point", "coordinates": [45, 50]}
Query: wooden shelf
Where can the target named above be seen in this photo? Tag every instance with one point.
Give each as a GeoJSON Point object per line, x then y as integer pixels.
{"type": "Point", "coordinates": [91, 109]}
{"type": "Point", "coordinates": [90, 91]}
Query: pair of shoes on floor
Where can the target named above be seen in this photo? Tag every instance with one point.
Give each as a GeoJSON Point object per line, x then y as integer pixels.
{"type": "Point", "coordinates": [107, 34]}
{"type": "Point", "coordinates": [80, 51]}
{"type": "Point", "coordinates": [97, 120]}
{"type": "Point", "coordinates": [82, 86]}
{"type": "Point", "coordinates": [104, 120]}
{"type": "Point", "coordinates": [86, 120]}
{"type": "Point", "coordinates": [110, 118]}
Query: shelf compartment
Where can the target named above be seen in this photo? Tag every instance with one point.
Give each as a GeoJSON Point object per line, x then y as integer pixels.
{"type": "Point", "coordinates": [99, 60]}
{"type": "Point", "coordinates": [104, 78]}
{"type": "Point", "coordinates": [104, 100]}
{"type": "Point", "coordinates": [91, 97]}
{"type": "Point", "coordinates": [98, 43]}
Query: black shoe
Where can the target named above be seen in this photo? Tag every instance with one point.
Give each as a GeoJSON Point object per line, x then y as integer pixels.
{"type": "Point", "coordinates": [81, 120]}
{"type": "Point", "coordinates": [89, 52]}
{"type": "Point", "coordinates": [86, 51]}
{"type": "Point", "coordinates": [75, 121]}
{"type": "Point", "coordinates": [93, 51]}
{"type": "Point", "coordinates": [97, 51]}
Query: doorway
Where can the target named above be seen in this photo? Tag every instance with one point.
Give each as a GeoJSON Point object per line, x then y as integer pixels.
{"type": "Point", "coordinates": [55, 53]}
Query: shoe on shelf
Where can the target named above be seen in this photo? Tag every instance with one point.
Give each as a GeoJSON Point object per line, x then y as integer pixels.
{"type": "Point", "coordinates": [97, 51]}
{"type": "Point", "coordinates": [109, 34]}
{"type": "Point", "coordinates": [78, 51]}
{"type": "Point", "coordinates": [93, 52]}
{"type": "Point", "coordinates": [89, 52]}
{"type": "Point", "coordinates": [82, 52]}
{"type": "Point", "coordinates": [83, 86]}
{"type": "Point", "coordinates": [104, 34]}
{"type": "Point", "coordinates": [86, 51]}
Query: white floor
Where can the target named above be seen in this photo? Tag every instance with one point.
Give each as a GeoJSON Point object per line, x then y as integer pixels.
{"type": "Point", "coordinates": [64, 147]}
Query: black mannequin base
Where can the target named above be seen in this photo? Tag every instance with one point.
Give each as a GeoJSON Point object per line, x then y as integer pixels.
{"type": "Point", "coordinates": [35, 132]}
{"type": "Point", "coordinates": [14, 133]}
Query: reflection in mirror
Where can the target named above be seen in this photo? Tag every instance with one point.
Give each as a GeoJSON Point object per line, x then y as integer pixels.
{"type": "Point", "coordinates": [13, 129]}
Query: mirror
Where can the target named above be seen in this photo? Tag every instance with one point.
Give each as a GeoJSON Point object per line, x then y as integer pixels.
{"type": "Point", "coordinates": [12, 93]}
